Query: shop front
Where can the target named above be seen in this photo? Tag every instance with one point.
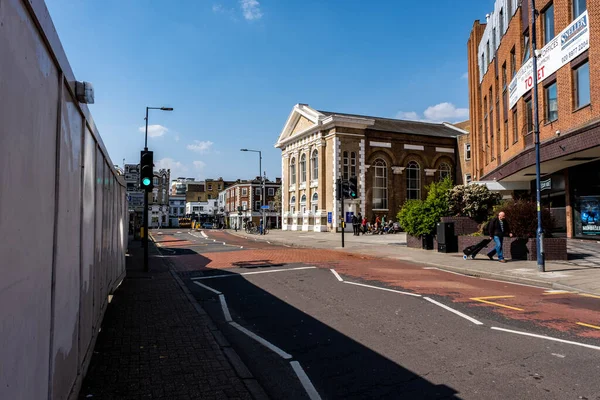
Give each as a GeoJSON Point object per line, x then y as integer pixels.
{"type": "Point", "coordinates": [585, 194]}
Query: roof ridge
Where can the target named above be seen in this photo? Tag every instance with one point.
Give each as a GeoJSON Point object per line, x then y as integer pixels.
{"type": "Point", "coordinates": [389, 119]}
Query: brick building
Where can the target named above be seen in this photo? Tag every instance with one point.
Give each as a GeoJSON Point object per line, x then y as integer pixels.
{"type": "Point", "coordinates": [502, 109]}
{"type": "Point", "coordinates": [393, 160]}
{"type": "Point", "coordinates": [243, 202]}
{"type": "Point", "coordinates": [201, 191]}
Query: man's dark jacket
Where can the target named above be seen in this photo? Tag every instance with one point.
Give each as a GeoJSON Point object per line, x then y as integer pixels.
{"type": "Point", "coordinates": [495, 230]}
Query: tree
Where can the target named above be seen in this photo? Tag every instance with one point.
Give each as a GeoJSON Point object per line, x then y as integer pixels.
{"type": "Point", "coordinates": [473, 201]}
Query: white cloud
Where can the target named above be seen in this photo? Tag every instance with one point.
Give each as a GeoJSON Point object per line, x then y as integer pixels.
{"type": "Point", "coordinates": [177, 138]}
{"type": "Point", "coordinates": [218, 8]}
{"type": "Point", "coordinates": [443, 112]}
{"type": "Point", "coordinates": [251, 9]}
{"type": "Point", "coordinates": [446, 112]}
{"type": "Point", "coordinates": [154, 130]}
{"type": "Point", "coordinates": [409, 115]}
{"type": "Point", "coordinates": [200, 147]}
{"type": "Point", "coordinates": [199, 165]}
{"type": "Point", "coordinates": [465, 76]}
{"type": "Point", "coordinates": [177, 168]}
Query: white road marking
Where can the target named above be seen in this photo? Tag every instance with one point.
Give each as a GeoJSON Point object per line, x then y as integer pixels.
{"type": "Point", "coordinates": [204, 234]}
{"type": "Point", "coordinates": [207, 288]}
{"type": "Point", "coordinates": [589, 346]}
{"type": "Point", "coordinates": [250, 273]}
{"type": "Point", "coordinates": [380, 288]}
{"type": "Point", "coordinates": [473, 320]}
{"type": "Point", "coordinates": [226, 313]}
{"type": "Point", "coordinates": [339, 278]}
{"type": "Point", "coordinates": [513, 283]}
{"type": "Point", "coordinates": [179, 232]}
{"type": "Point", "coordinates": [262, 341]}
{"type": "Point", "coordinates": [305, 381]}
{"type": "Point", "coordinates": [450, 272]}
{"type": "Point", "coordinates": [558, 355]}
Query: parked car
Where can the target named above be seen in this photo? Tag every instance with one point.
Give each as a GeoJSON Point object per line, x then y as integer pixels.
{"type": "Point", "coordinates": [207, 225]}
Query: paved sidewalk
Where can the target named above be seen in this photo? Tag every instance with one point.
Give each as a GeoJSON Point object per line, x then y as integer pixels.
{"type": "Point", "coordinates": [156, 344]}
{"type": "Point", "coordinates": [559, 275]}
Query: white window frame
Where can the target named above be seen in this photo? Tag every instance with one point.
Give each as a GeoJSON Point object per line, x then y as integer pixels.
{"type": "Point", "coordinates": [409, 190]}
{"type": "Point", "coordinates": [468, 179]}
{"type": "Point", "coordinates": [244, 205]}
{"type": "Point", "coordinates": [257, 191]}
{"type": "Point", "coordinates": [257, 205]}
{"type": "Point", "coordinates": [352, 164]}
{"type": "Point", "coordinates": [314, 202]}
{"type": "Point", "coordinates": [467, 151]}
{"type": "Point", "coordinates": [271, 192]}
{"type": "Point", "coordinates": [314, 165]}
{"type": "Point", "coordinates": [244, 191]}
{"type": "Point", "coordinates": [345, 166]}
{"type": "Point", "coordinates": [445, 168]}
{"type": "Point", "coordinates": [380, 173]}
{"type": "Point", "coordinates": [293, 171]}
{"type": "Point", "coordinates": [303, 168]}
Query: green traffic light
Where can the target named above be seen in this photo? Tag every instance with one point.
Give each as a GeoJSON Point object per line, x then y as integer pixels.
{"type": "Point", "coordinates": [146, 181]}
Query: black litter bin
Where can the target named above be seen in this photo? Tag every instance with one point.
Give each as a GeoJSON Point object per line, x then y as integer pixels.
{"type": "Point", "coordinates": [447, 240]}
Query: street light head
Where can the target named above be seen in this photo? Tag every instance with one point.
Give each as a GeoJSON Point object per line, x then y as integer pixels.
{"type": "Point", "coordinates": [243, 149]}
{"type": "Point", "coordinates": [167, 108]}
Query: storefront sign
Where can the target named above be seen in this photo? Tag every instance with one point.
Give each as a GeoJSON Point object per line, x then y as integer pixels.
{"type": "Point", "coordinates": [136, 201]}
{"type": "Point", "coordinates": [329, 217]}
{"type": "Point", "coordinates": [546, 185]}
{"type": "Point", "coordinates": [589, 207]}
{"type": "Point", "coordinates": [567, 45]}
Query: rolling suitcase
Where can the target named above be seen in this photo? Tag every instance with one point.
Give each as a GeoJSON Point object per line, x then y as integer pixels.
{"type": "Point", "coordinates": [471, 251]}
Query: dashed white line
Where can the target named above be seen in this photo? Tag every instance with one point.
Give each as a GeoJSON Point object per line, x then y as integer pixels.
{"type": "Point", "coordinates": [589, 346]}
{"type": "Point", "coordinates": [473, 320]}
{"type": "Point", "coordinates": [207, 288]}
{"type": "Point", "coordinates": [262, 341]}
{"type": "Point", "coordinates": [339, 278]}
{"type": "Point", "coordinates": [380, 288]}
{"type": "Point", "coordinates": [250, 273]}
{"type": "Point", "coordinates": [226, 312]}
{"type": "Point", "coordinates": [305, 381]}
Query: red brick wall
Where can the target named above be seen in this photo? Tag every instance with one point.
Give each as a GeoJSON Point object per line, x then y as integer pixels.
{"type": "Point", "coordinates": [554, 248]}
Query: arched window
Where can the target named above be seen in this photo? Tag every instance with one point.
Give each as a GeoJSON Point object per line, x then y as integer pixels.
{"type": "Point", "coordinates": [352, 164]}
{"type": "Point", "coordinates": [314, 165]}
{"type": "Point", "coordinates": [293, 204]}
{"type": "Point", "coordinates": [380, 185]}
{"type": "Point", "coordinates": [413, 181]}
{"type": "Point", "coordinates": [303, 203]}
{"type": "Point", "coordinates": [314, 203]}
{"type": "Point", "coordinates": [303, 168]}
{"type": "Point", "coordinates": [345, 166]}
{"type": "Point", "coordinates": [293, 171]}
{"type": "Point", "coordinates": [445, 171]}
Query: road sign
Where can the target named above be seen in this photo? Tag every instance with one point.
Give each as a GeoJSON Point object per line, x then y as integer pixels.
{"type": "Point", "coordinates": [329, 217]}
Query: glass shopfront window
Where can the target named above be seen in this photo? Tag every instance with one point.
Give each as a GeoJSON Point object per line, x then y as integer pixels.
{"type": "Point", "coordinates": [585, 195]}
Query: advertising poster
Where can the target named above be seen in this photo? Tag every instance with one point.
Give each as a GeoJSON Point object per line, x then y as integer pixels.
{"type": "Point", "coordinates": [571, 42]}
{"type": "Point", "coordinates": [589, 207]}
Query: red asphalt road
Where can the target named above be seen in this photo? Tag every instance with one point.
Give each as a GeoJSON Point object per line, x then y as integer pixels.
{"type": "Point", "coordinates": [562, 312]}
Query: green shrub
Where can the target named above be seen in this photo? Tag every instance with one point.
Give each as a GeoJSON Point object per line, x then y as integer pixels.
{"type": "Point", "coordinates": [420, 217]}
{"type": "Point", "coordinates": [473, 201]}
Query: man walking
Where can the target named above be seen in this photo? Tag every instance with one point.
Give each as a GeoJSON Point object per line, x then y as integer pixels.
{"type": "Point", "coordinates": [498, 228]}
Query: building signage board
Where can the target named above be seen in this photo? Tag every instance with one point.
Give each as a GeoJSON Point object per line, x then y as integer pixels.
{"type": "Point", "coordinates": [329, 217]}
{"type": "Point", "coordinates": [566, 46]}
{"type": "Point", "coordinates": [136, 201]}
{"type": "Point", "coordinates": [547, 184]}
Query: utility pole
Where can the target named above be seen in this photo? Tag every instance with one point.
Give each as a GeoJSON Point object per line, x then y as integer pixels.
{"type": "Point", "coordinates": [536, 128]}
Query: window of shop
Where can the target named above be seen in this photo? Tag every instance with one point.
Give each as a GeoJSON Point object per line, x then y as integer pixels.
{"type": "Point", "coordinates": [314, 203]}
{"type": "Point", "coordinates": [529, 115]}
{"type": "Point", "coordinates": [315, 165]}
{"type": "Point", "coordinates": [548, 16]}
{"type": "Point", "coordinates": [413, 181]}
{"type": "Point", "coordinates": [380, 185]}
{"type": "Point", "coordinates": [303, 168]}
{"type": "Point", "coordinates": [581, 85]}
{"type": "Point", "coordinates": [579, 7]}
{"type": "Point", "coordinates": [293, 171]}
{"type": "Point", "coordinates": [445, 171]}
{"type": "Point", "coordinates": [346, 166]}
{"type": "Point", "coordinates": [551, 102]}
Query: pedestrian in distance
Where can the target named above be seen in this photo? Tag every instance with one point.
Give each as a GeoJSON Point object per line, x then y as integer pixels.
{"type": "Point", "coordinates": [364, 225]}
{"type": "Point", "coordinates": [354, 223]}
{"type": "Point", "coordinates": [498, 228]}
{"type": "Point", "coordinates": [358, 224]}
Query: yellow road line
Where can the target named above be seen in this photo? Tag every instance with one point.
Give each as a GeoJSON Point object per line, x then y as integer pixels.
{"type": "Point", "coordinates": [485, 300]}
{"type": "Point", "coordinates": [589, 295]}
{"type": "Point", "coordinates": [556, 292]}
{"type": "Point", "coordinates": [588, 325]}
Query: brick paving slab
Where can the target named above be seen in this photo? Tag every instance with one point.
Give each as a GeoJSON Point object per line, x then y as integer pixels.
{"type": "Point", "coordinates": [155, 345]}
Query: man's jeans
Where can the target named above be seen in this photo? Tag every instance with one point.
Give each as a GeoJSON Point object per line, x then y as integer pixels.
{"type": "Point", "coordinates": [498, 249]}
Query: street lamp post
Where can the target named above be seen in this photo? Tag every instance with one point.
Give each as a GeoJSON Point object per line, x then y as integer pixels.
{"type": "Point", "coordinates": [145, 238]}
{"type": "Point", "coordinates": [262, 190]}
{"type": "Point", "coordinates": [536, 128]}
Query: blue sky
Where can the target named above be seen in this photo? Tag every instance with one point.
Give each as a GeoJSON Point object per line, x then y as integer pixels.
{"type": "Point", "coordinates": [233, 70]}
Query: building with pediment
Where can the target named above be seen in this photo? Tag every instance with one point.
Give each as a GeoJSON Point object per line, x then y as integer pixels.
{"type": "Point", "coordinates": [393, 160]}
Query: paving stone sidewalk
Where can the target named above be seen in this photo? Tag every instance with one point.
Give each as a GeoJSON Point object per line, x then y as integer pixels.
{"type": "Point", "coordinates": [154, 344]}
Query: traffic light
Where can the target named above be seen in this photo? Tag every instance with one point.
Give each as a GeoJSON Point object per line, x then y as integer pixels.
{"type": "Point", "coordinates": [338, 189]}
{"type": "Point", "coordinates": [146, 170]}
{"type": "Point", "coordinates": [352, 188]}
